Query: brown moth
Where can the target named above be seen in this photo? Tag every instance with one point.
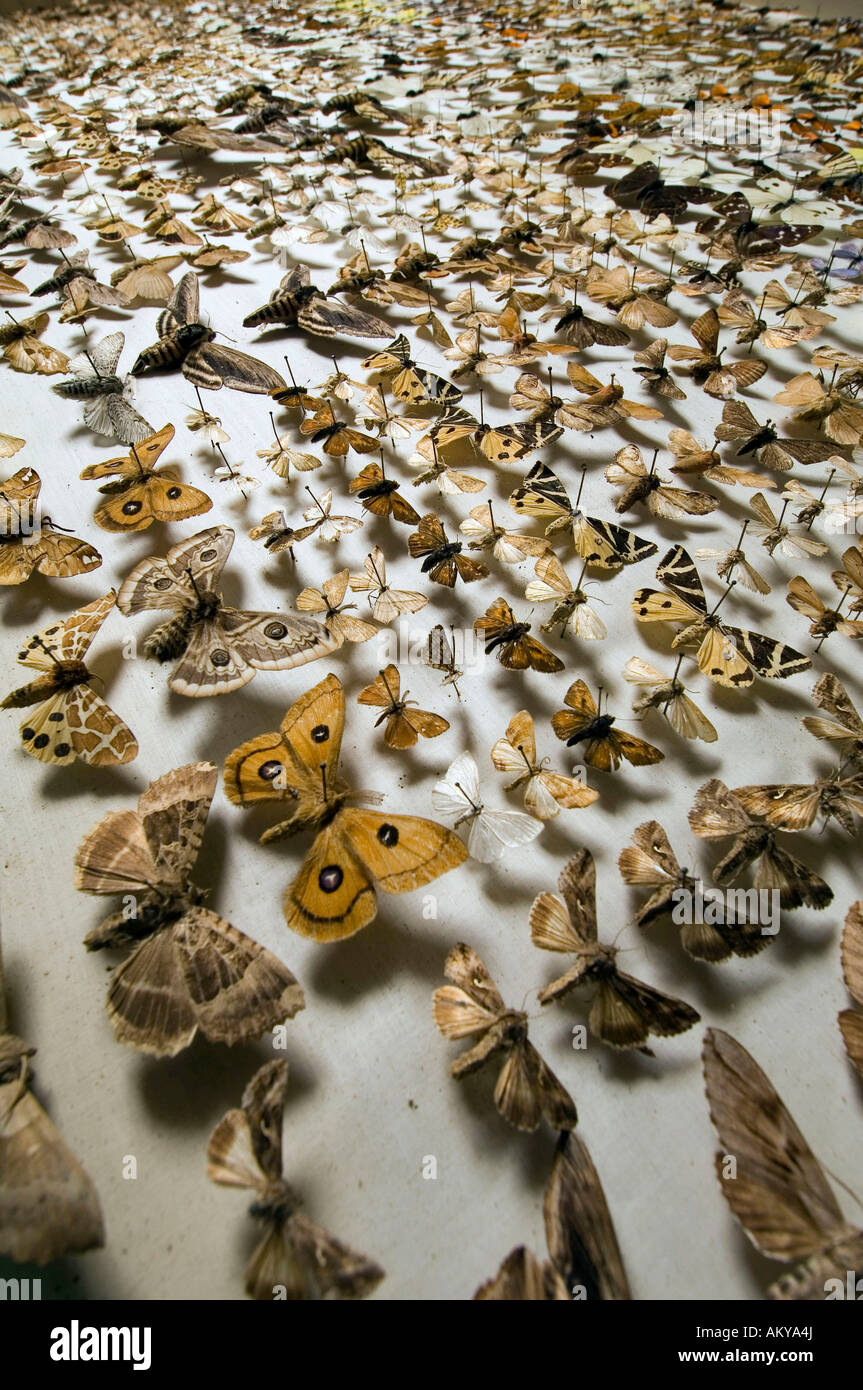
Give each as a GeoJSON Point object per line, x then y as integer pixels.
{"type": "Point", "coordinates": [705, 365]}
{"type": "Point", "coordinates": [584, 1262]}
{"type": "Point", "coordinates": [851, 1020]}
{"type": "Point", "coordinates": [527, 1090]}
{"type": "Point", "coordinates": [296, 1259]}
{"type": "Point", "coordinates": [218, 648]}
{"type": "Point", "coordinates": [603, 746]}
{"type": "Point", "coordinates": [48, 1204]}
{"type": "Point", "coordinates": [545, 792]}
{"type": "Point", "coordinates": [190, 970]}
{"type": "Point", "coordinates": [668, 695]}
{"type": "Point", "coordinates": [718, 814]}
{"type": "Point", "coordinates": [329, 604]}
{"type": "Point", "coordinates": [845, 727]}
{"type": "Point", "coordinates": [708, 931]}
{"type": "Point", "coordinates": [642, 484]}
{"type": "Point", "coordinates": [625, 1012]}
{"type": "Point", "coordinates": [796, 806]}
{"type": "Point", "coordinates": [775, 1187]}
{"type": "Point", "coordinates": [404, 724]}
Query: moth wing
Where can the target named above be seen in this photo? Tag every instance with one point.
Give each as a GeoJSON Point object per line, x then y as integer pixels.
{"type": "Point", "coordinates": [650, 859]}
{"type": "Point", "coordinates": [275, 641]}
{"type": "Point", "coordinates": [238, 989]}
{"type": "Point", "coordinates": [237, 369]}
{"type": "Point", "coordinates": [492, 833]}
{"type": "Point", "coordinates": [69, 639]}
{"type": "Point", "coordinates": [636, 750]}
{"type": "Point", "coordinates": [852, 952]}
{"type": "Point", "coordinates": [172, 813]}
{"type": "Point", "coordinates": [155, 498]}
{"type": "Point", "coordinates": [231, 1158]}
{"type": "Point", "coordinates": [401, 852]}
{"type": "Point", "coordinates": [521, 735]}
{"type": "Point", "coordinates": [551, 927]}
{"type": "Point", "coordinates": [383, 690]}
{"type": "Point", "coordinates": [115, 857]}
{"type": "Point", "coordinates": [309, 739]}
{"type": "Point", "coordinates": [48, 1204]}
{"type": "Point", "coordinates": [98, 735]}
{"type": "Point", "coordinates": [157, 583]}
{"type": "Point", "coordinates": [60, 556]}
{"type": "Point", "coordinates": [803, 598]}
{"type": "Point", "coordinates": [779, 1193]}
{"type": "Point", "coordinates": [330, 1265]}
{"type": "Point", "coordinates": [148, 1003]}
{"type": "Point", "coordinates": [426, 723]}
{"type": "Point", "coordinates": [579, 1231]}
{"type": "Point", "coordinates": [464, 969]}
{"type": "Point", "coordinates": [184, 302]}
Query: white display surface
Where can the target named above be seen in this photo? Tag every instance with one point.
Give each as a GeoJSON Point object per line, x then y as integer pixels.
{"type": "Point", "coordinates": [370, 1098]}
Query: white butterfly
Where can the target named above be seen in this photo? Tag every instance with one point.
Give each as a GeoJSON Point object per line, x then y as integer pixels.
{"type": "Point", "coordinates": [456, 797]}
{"type": "Point", "coordinates": [330, 527]}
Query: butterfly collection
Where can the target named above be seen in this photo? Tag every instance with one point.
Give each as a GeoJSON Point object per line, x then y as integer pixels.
{"type": "Point", "coordinates": [555, 483]}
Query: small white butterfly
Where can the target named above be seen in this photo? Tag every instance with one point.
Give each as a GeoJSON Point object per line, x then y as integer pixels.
{"type": "Point", "coordinates": [456, 797]}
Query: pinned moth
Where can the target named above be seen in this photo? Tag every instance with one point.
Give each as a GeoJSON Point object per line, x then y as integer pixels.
{"type": "Point", "coordinates": [49, 1207]}
{"type": "Point", "coordinates": [355, 851]}
{"type": "Point", "coordinates": [69, 720]}
{"type": "Point", "coordinates": [545, 793]}
{"type": "Point", "coordinates": [189, 970]}
{"type": "Point", "coordinates": [219, 647]}
{"type": "Point", "coordinates": [777, 1189]}
{"type": "Point", "coordinates": [729, 655]}
{"type": "Point", "coordinates": [584, 1256]}
{"type": "Point", "coordinates": [295, 1259]}
{"type": "Point", "coordinates": [187, 343]}
{"type": "Point", "coordinates": [582, 723]}
{"type": "Point", "coordinates": [138, 495]}
{"type": "Point", "coordinates": [404, 725]}
{"type": "Point", "coordinates": [710, 930]}
{"type": "Point", "coordinates": [624, 1012]}
{"type": "Point", "coordinates": [527, 1090]}
{"type": "Point", "coordinates": [457, 798]}
{"type": "Point", "coordinates": [29, 541]}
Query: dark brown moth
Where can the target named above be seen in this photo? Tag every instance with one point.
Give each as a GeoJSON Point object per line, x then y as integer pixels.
{"type": "Point", "coordinates": [771, 1179]}
{"type": "Point", "coordinates": [585, 1263]}
{"type": "Point", "coordinates": [295, 1259]}
{"type": "Point", "coordinates": [582, 725]}
{"type": "Point", "coordinates": [380, 494]}
{"type": "Point", "coordinates": [442, 559]}
{"type": "Point", "coordinates": [527, 1090]}
{"type": "Point", "coordinates": [187, 343]}
{"type": "Point", "coordinates": [625, 1012]}
{"type": "Point", "coordinates": [516, 649]}
{"type": "Point", "coordinates": [48, 1204]}
{"type": "Point", "coordinates": [189, 971]}
{"type": "Point", "coordinates": [717, 814]}
{"type": "Point", "coordinates": [298, 304]}
{"type": "Point", "coordinates": [708, 931]}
